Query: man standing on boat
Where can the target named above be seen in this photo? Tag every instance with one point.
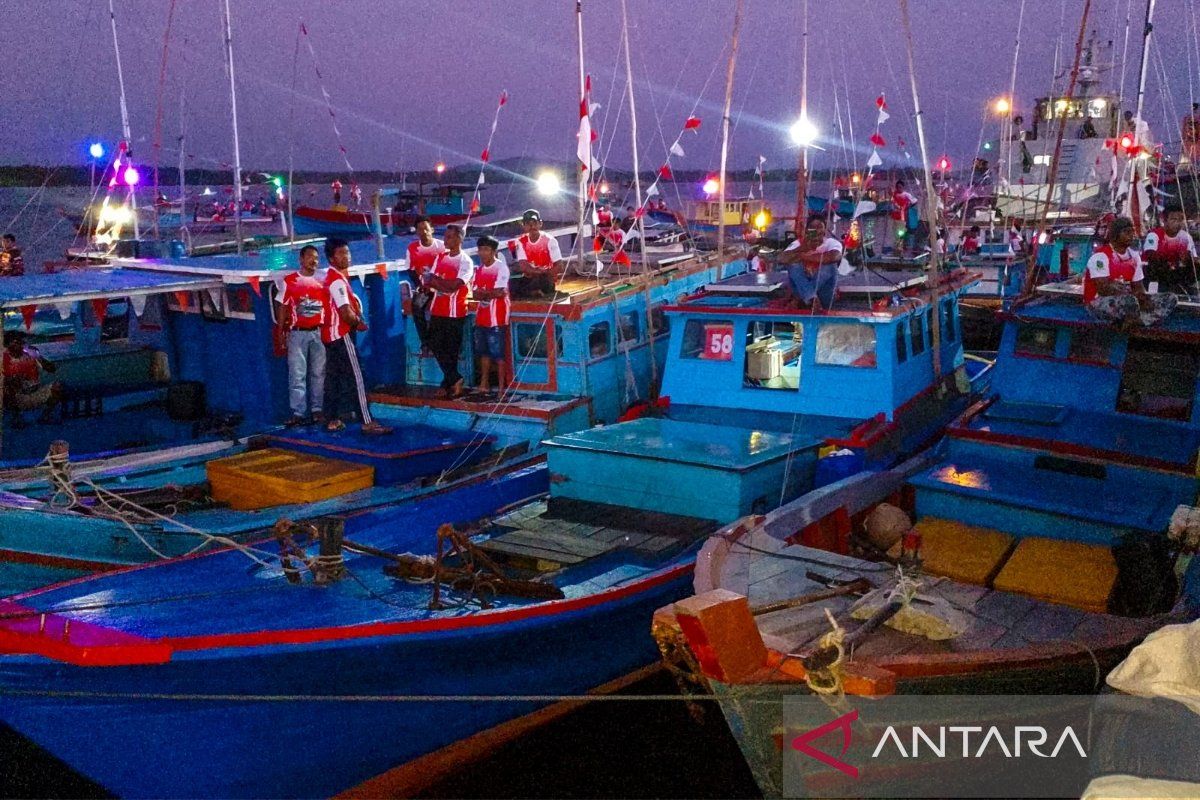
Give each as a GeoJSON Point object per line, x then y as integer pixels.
{"type": "Point", "coordinates": [813, 265]}
{"type": "Point", "coordinates": [423, 253]}
{"type": "Point", "coordinates": [343, 317]}
{"type": "Point", "coordinates": [489, 287]}
{"type": "Point", "coordinates": [902, 201]}
{"type": "Point", "coordinates": [301, 312]}
{"type": "Point", "coordinates": [538, 256]}
{"type": "Point", "coordinates": [1112, 283]}
{"type": "Point", "coordinates": [16, 261]}
{"type": "Point", "coordinates": [1170, 254]}
{"type": "Point", "coordinates": [450, 281]}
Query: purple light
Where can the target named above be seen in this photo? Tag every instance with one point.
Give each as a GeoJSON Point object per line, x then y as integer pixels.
{"type": "Point", "coordinates": [131, 176]}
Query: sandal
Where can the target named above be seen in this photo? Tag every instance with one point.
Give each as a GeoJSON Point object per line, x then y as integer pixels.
{"type": "Point", "coordinates": [335, 426]}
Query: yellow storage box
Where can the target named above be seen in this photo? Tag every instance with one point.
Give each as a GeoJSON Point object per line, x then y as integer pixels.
{"type": "Point", "coordinates": [1069, 573]}
{"type": "Point", "coordinates": [962, 552]}
{"type": "Point", "coordinates": [271, 477]}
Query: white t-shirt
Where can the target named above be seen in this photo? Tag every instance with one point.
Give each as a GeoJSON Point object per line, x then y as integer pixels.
{"type": "Point", "coordinates": [830, 245]}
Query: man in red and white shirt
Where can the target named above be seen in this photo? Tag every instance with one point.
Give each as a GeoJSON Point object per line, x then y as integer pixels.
{"type": "Point", "coordinates": [489, 287]}
{"type": "Point", "coordinates": [538, 256]}
{"type": "Point", "coordinates": [1170, 254]}
{"type": "Point", "coordinates": [423, 253]}
{"type": "Point", "coordinates": [450, 281]}
{"type": "Point", "coordinates": [344, 385]}
{"type": "Point", "coordinates": [23, 387]}
{"type": "Point", "coordinates": [1112, 282]}
{"type": "Point", "coordinates": [301, 312]}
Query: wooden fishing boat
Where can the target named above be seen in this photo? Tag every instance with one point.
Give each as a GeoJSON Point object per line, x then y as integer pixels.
{"type": "Point", "coordinates": [628, 506]}
{"type": "Point", "coordinates": [1042, 525]}
{"type": "Point", "coordinates": [442, 204]}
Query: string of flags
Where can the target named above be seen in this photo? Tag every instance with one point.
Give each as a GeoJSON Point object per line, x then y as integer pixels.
{"type": "Point", "coordinates": [328, 100]}
{"type": "Point", "coordinates": [484, 158]}
{"type": "Point", "coordinates": [664, 174]}
{"type": "Point", "coordinates": [877, 139]}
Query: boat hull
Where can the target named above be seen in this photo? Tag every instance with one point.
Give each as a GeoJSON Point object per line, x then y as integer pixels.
{"type": "Point", "coordinates": [357, 224]}
{"type": "Point", "coordinates": [311, 720]}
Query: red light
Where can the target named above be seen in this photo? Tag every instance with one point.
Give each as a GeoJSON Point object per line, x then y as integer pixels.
{"type": "Point", "coordinates": [943, 164]}
{"type": "Point", "coordinates": [1127, 142]}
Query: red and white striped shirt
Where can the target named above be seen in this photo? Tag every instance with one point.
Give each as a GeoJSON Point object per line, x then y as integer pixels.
{"type": "Point", "coordinates": [340, 296]}
{"type": "Point", "coordinates": [492, 313]}
{"type": "Point", "coordinates": [542, 254]}
{"type": "Point", "coordinates": [421, 258]}
{"type": "Point", "coordinates": [452, 304]}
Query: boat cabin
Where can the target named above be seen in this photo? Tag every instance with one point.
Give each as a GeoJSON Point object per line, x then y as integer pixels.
{"type": "Point", "coordinates": [706, 214]}
{"type": "Point", "coordinates": [740, 349]}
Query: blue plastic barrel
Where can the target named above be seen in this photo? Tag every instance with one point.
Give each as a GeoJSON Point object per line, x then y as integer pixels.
{"type": "Point", "coordinates": [835, 466]}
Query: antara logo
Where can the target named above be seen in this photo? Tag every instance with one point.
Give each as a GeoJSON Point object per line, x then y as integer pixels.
{"type": "Point", "coordinates": [801, 743]}
{"type": "Point", "coordinates": [1032, 736]}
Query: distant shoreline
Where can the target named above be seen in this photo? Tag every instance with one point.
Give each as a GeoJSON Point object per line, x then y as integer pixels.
{"type": "Point", "coordinates": [27, 175]}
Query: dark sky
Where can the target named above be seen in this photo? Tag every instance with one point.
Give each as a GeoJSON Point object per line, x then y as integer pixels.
{"type": "Point", "coordinates": [415, 81]}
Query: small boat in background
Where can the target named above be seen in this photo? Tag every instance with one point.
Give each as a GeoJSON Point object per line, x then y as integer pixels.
{"type": "Point", "coordinates": [443, 203]}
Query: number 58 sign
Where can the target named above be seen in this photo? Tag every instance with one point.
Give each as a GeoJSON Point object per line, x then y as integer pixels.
{"type": "Point", "coordinates": [718, 342]}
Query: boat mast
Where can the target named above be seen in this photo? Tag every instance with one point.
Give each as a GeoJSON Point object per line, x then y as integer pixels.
{"type": "Point", "coordinates": [802, 175]}
{"type": "Point", "coordinates": [1006, 127]}
{"type": "Point", "coordinates": [737, 25]}
{"type": "Point", "coordinates": [585, 170]}
{"type": "Point", "coordinates": [637, 192]}
{"type": "Point", "coordinates": [125, 130]}
{"type": "Point", "coordinates": [237, 154]}
{"type": "Point", "coordinates": [931, 200]}
{"type": "Point", "coordinates": [1141, 91]}
{"type": "Point", "coordinates": [182, 170]}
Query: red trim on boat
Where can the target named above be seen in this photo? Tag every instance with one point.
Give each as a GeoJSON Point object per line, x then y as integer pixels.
{"type": "Point", "coordinates": [373, 454]}
{"type": "Point", "coordinates": [1067, 448]}
{"type": "Point", "coordinates": [57, 562]}
{"type": "Point", "coordinates": [369, 630]}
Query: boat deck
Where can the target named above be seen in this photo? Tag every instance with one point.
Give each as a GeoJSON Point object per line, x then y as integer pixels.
{"type": "Point", "coordinates": [1116, 436]}
{"type": "Point", "coordinates": [536, 406]}
{"type": "Point", "coordinates": [995, 620]}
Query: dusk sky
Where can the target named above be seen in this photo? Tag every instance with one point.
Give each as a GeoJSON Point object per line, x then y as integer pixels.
{"type": "Point", "coordinates": [415, 81]}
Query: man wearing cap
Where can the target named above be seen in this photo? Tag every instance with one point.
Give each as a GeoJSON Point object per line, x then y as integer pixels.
{"type": "Point", "coordinates": [450, 280]}
{"type": "Point", "coordinates": [489, 286]}
{"type": "Point", "coordinates": [538, 256]}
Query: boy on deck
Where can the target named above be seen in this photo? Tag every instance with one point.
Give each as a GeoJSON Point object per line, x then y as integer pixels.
{"type": "Point", "coordinates": [1112, 283]}
{"type": "Point", "coordinates": [1170, 254]}
{"type": "Point", "coordinates": [489, 286]}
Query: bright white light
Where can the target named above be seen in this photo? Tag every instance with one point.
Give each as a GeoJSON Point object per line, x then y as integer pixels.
{"type": "Point", "coordinates": [1002, 105]}
{"type": "Point", "coordinates": [439, 167]}
{"type": "Point", "coordinates": [1043, 238]}
{"type": "Point", "coordinates": [604, 187]}
{"type": "Point", "coordinates": [208, 192]}
{"type": "Point", "coordinates": [131, 176]}
{"type": "Point", "coordinates": [96, 150]}
{"type": "Point", "coordinates": [803, 132]}
{"type": "Point", "coordinates": [711, 186]}
{"type": "Point", "coordinates": [116, 215]}
{"type": "Point", "coordinates": [548, 184]}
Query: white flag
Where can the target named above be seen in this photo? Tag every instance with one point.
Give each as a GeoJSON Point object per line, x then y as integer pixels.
{"type": "Point", "coordinates": [138, 301]}
{"type": "Point", "coordinates": [883, 116]}
{"type": "Point", "coordinates": [480, 181]}
{"type": "Point", "coordinates": [65, 310]}
{"type": "Point", "coordinates": [874, 160]}
{"type": "Point", "coordinates": [583, 148]}
{"type": "Point", "coordinates": [676, 150]}
{"type": "Point", "coordinates": [759, 169]}
{"type": "Point", "coordinates": [653, 190]}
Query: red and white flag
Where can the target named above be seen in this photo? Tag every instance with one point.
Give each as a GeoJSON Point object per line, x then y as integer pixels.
{"type": "Point", "coordinates": [583, 149]}
{"type": "Point", "coordinates": [881, 104]}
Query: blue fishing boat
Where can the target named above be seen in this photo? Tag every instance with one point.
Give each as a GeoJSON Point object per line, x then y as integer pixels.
{"type": "Point", "coordinates": [432, 629]}
{"type": "Point", "coordinates": [442, 204]}
{"type": "Point", "coordinates": [1044, 536]}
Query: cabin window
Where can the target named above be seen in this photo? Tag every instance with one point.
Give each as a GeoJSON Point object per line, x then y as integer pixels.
{"type": "Point", "coordinates": [710, 339]}
{"type": "Point", "coordinates": [530, 340]}
{"type": "Point", "coordinates": [1158, 380]}
{"type": "Point", "coordinates": [773, 351]}
{"type": "Point", "coordinates": [115, 324]}
{"type": "Point", "coordinates": [916, 333]}
{"type": "Point", "coordinates": [1035, 340]}
{"type": "Point", "coordinates": [901, 344]}
{"type": "Point", "coordinates": [660, 323]}
{"type": "Point", "coordinates": [1093, 345]}
{"type": "Point", "coordinates": [599, 340]}
{"type": "Point", "coordinates": [846, 345]}
{"type": "Point", "coordinates": [630, 328]}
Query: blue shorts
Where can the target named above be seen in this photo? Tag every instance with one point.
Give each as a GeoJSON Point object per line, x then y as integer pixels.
{"type": "Point", "coordinates": [489, 342]}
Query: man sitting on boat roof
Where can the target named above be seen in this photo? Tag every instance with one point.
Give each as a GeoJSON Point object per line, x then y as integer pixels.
{"type": "Point", "coordinates": [812, 264]}
{"type": "Point", "coordinates": [1112, 283]}
{"type": "Point", "coordinates": [23, 387]}
{"type": "Point", "coordinates": [538, 256]}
